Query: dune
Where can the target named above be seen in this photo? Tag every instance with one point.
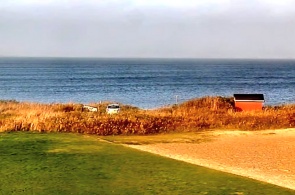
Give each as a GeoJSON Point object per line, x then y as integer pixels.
{"type": "Point", "coordinates": [267, 155]}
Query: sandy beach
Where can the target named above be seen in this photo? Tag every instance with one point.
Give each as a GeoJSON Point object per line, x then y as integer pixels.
{"type": "Point", "coordinates": [267, 156]}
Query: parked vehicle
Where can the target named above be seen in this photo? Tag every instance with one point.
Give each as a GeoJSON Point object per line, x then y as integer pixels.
{"type": "Point", "coordinates": [89, 108]}
{"type": "Point", "coordinates": [113, 108]}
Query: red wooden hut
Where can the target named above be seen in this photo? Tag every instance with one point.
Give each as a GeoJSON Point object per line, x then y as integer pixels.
{"type": "Point", "coordinates": [248, 102]}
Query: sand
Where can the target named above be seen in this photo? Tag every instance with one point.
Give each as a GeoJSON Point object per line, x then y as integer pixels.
{"type": "Point", "coordinates": [267, 156]}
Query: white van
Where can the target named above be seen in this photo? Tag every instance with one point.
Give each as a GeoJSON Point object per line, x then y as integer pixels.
{"type": "Point", "coordinates": [113, 108]}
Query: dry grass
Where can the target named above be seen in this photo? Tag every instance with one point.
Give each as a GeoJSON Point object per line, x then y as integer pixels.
{"type": "Point", "coordinates": [194, 115]}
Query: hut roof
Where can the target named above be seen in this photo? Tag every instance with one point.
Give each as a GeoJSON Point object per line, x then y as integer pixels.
{"type": "Point", "coordinates": [249, 97]}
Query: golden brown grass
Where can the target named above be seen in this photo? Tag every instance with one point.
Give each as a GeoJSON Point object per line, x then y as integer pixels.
{"type": "Point", "coordinates": [194, 115]}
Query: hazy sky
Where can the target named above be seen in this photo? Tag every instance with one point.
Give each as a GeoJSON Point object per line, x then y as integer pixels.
{"type": "Point", "coordinates": [148, 28]}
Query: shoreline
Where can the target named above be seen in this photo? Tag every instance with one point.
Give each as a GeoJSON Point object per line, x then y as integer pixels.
{"type": "Point", "coordinates": [266, 156]}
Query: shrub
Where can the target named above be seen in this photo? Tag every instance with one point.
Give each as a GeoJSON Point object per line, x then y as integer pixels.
{"type": "Point", "coordinates": [194, 115]}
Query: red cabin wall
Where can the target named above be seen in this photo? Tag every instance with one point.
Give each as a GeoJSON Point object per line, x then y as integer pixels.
{"type": "Point", "coordinates": [248, 106]}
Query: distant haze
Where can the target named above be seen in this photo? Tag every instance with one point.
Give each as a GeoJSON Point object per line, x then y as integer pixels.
{"type": "Point", "coordinates": [148, 28]}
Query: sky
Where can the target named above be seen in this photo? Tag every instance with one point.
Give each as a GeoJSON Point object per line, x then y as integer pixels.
{"type": "Point", "coordinates": [148, 28]}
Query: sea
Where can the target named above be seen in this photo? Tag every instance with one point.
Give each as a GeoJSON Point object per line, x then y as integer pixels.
{"type": "Point", "coordinates": [144, 83]}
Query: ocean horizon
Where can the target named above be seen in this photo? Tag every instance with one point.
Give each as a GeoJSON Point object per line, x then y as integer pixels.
{"type": "Point", "coordinates": [143, 82]}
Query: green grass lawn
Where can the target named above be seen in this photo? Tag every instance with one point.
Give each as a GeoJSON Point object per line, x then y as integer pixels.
{"type": "Point", "coordinates": [33, 163]}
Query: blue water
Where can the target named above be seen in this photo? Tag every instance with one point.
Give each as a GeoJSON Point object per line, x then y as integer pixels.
{"type": "Point", "coordinates": [146, 83]}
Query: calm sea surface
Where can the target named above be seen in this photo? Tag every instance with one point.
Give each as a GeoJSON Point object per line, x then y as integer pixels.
{"type": "Point", "coordinates": [146, 83]}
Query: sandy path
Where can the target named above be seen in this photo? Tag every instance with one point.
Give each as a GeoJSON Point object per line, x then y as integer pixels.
{"type": "Point", "coordinates": [265, 155]}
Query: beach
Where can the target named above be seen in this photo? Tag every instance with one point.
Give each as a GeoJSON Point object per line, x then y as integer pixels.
{"type": "Point", "coordinates": [267, 155]}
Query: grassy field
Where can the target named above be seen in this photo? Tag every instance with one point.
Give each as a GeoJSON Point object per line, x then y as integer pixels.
{"type": "Point", "coordinates": [57, 163]}
{"type": "Point", "coordinates": [194, 116]}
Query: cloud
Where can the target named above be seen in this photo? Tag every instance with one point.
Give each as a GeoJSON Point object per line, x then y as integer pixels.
{"type": "Point", "coordinates": [282, 5]}
{"type": "Point", "coordinates": [162, 28]}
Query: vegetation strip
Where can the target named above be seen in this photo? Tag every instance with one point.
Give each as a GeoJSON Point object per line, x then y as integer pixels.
{"type": "Point", "coordinates": [195, 115]}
